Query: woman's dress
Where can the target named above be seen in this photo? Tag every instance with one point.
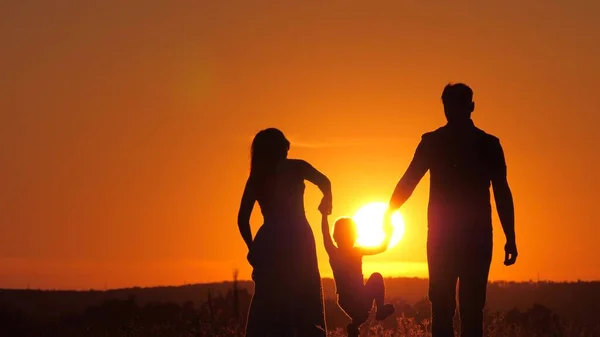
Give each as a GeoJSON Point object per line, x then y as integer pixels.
{"type": "Point", "coordinates": [288, 297]}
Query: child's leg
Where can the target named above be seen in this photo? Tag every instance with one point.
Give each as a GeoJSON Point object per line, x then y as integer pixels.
{"type": "Point", "coordinates": [357, 319]}
{"type": "Point", "coordinates": [375, 289]}
{"type": "Point", "coordinates": [357, 314]}
{"type": "Point", "coordinates": [353, 330]}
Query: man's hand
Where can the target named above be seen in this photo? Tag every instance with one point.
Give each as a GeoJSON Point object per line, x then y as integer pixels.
{"type": "Point", "coordinates": [510, 253]}
{"type": "Point", "coordinates": [388, 228]}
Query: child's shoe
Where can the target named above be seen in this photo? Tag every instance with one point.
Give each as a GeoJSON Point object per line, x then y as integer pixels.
{"type": "Point", "coordinates": [384, 312]}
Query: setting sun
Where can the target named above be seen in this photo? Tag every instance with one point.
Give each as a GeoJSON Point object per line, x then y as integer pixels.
{"type": "Point", "coordinates": [369, 223]}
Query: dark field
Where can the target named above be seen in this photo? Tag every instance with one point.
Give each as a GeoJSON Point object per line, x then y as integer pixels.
{"type": "Point", "coordinates": [219, 309]}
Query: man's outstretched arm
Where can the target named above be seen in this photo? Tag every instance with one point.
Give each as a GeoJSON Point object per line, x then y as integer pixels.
{"type": "Point", "coordinates": [409, 181]}
{"type": "Point", "coordinates": [411, 178]}
{"type": "Point", "coordinates": [504, 204]}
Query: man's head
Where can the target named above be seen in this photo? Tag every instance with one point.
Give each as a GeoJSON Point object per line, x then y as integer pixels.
{"type": "Point", "coordinates": [458, 102]}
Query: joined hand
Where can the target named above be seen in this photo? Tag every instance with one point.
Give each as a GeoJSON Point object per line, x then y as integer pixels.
{"type": "Point", "coordinates": [325, 206]}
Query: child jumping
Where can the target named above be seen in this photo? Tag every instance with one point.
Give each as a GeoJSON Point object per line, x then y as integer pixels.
{"type": "Point", "coordinates": [355, 298]}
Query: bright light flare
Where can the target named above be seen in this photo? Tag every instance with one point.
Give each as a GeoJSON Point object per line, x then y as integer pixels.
{"type": "Point", "coordinates": [369, 223]}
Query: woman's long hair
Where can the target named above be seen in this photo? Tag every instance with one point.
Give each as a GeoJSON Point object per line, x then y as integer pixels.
{"type": "Point", "coordinates": [269, 147]}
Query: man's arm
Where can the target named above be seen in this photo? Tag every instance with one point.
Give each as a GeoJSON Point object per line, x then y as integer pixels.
{"type": "Point", "coordinates": [504, 202]}
{"type": "Point", "coordinates": [329, 246]}
{"type": "Point", "coordinates": [411, 178]}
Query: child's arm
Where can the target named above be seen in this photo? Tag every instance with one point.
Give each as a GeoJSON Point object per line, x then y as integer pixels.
{"type": "Point", "coordinates": [388, 228]}
{"type": "Point", "coordinates": [329, 247]}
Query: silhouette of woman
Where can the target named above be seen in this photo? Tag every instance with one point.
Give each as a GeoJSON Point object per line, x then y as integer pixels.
{"type": "Point", "coordinates": [288, 298]}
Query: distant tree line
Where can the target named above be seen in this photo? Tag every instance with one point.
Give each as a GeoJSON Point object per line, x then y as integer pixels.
{"type": "Point", "coordinates": [568, 309]}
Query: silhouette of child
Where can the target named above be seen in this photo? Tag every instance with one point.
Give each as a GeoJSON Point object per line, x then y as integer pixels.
{"type": "Point", "coordinates": [355, 298]}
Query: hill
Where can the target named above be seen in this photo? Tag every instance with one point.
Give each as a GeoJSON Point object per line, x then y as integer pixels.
{"type": "Point", "coordinates": [577, 301]}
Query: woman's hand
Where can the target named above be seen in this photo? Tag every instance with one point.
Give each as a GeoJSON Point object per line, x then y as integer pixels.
{"type": "Point", "coordinates": [326, 205]}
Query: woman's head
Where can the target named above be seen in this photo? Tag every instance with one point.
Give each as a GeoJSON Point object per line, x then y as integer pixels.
{"type": "Point", "coordinates": [268, 148]}
{"type": "Point", "coordinates": [344, 232]}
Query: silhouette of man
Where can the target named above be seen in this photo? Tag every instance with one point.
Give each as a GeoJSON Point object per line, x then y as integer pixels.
{"type": "Point", "coordinates": [463, 161]}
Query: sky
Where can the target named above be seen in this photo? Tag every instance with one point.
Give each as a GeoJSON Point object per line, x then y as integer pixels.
{"type": "Point", "coordinates": [125, 127]}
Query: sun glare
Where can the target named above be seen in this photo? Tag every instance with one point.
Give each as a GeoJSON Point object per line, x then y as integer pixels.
{"type": "Point", "coordinates": [369, 223]}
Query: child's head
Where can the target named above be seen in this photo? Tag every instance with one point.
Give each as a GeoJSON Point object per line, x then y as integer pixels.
{"type": "Point", "coordinates": [344, 232]}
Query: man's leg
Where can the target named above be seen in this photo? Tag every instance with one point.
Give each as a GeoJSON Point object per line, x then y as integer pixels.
{"type": "Point", "coordinates": [472, 290]}
{"type": "Point", "coordinates": [442, 289]}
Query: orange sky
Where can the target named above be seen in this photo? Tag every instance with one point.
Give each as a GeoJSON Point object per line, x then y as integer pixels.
{"type": "Point", "coordinates": [125, 127]}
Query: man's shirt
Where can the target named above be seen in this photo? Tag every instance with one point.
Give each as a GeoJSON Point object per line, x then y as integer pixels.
{"type": "Point", "coordinates": [462, 160]}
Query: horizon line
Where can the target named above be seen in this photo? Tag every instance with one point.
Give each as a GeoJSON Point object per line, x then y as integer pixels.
{"type": "Point", "coordinates": [530, 281]}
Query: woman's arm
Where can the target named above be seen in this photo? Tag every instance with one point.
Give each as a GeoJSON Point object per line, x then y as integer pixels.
{"type": "Point", "coordinates": [246, 206]}
{"type": "Point", "coordinates": [321, 181]}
